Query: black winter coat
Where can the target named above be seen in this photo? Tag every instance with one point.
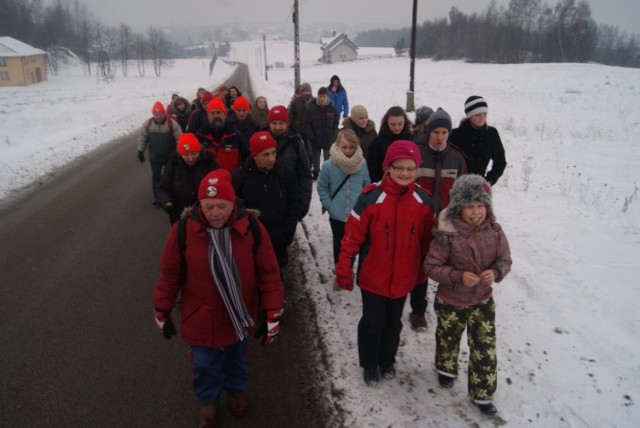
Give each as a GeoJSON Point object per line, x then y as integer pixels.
{"type": "Point", "coordinates": [479, 146]}
{"type": "Point", "coordinates": [275, 193]}
{"type": "Point", "coordinates": [378, 150]}
{"type": "Point", "coordinates": [247, 127]}
{"type": "Point", "coordinates": [292, 154]}
{"type": "Point", "coordinates": [321, 124]}
{"type": "Point", "coordinates": [179, 182]}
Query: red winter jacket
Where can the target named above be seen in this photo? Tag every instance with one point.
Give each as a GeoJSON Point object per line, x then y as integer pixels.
{"type": "Point", "coordinates": [227, 144]}
{"type": "Point", "coordinates": [390, 227]}
{"type": "Point", "coordinates": [205, 320]}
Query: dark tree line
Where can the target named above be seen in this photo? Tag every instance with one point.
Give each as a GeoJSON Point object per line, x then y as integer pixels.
{"type": "Point", "coordinates": [524, 31]}
{"type": "Point", "coordinates": [67, 26]}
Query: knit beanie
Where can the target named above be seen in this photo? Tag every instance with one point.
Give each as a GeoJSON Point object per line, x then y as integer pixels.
{"type": "Point", "coordinates": [261, 141]}
{"type": "Point", "coordinates": [475, 104]}
{"type": "Point", "coordinates": [402, 149]}
{"type": "Point", "coordinates": [241, 103]}
{"type": "Point", "coordinates": [217, 184]}
{"type": "Point", "coordinates": [438, 119]}
{"type": "Point", "coordinates": [278, 113]}
{"type": "Point", "coordinates": [305, 87]}
{"type": "Point", "coordinates": [423, 114]}
{"type": "Point", "coordinates": [358, 111]}
{"type": "Point", "coordinates": [157, 108]}
{"type": "Point", "coordinates": [206, 97]}
{"type": "Point", "coordinates": [188, 143]}
{"type": "Point", "coordinates": [466, 189]}
{"type": "Point", "coordinates": [217, 104]}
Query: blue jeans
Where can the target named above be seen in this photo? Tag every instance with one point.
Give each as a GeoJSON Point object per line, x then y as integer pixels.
{"type": "Point", "coordinates": [215, 370]}
{"type": "Point", "coordinates": [156, 173]}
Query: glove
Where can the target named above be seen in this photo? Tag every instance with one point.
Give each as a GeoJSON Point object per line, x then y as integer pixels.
{"type": "Point", "coordinates": [165, 324]}
{"type": "Point", "coordinates": [345, 282]}
{"type": "Point", "coordinates": [270, 328]}
{"type": "Point", "coordinates": [141, 156]}
{"type": "Point", "coordinates": [168, 207]}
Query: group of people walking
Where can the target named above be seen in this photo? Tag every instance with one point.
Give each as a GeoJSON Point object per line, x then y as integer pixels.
{"type": "Point", "coordinates": [410, 202]}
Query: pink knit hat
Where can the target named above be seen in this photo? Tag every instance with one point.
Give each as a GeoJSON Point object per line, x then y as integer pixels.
{"type": "Point", "coordinates": [402, 149]}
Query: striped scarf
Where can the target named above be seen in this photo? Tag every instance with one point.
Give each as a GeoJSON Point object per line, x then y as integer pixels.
{"type": "Point", "coordinates": [227, 280]}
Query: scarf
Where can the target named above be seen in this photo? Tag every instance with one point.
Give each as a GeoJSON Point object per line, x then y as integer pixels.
{"type": "Point", "coordinates": [227, 280]}
{"type": "Point", "coordinates": [347, 165]}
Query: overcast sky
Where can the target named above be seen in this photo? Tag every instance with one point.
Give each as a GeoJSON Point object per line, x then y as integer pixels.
{"type": "Point", "coordinates": [140, 14]}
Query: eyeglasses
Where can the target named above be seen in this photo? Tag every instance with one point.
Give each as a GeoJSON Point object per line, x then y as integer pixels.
{"type": "Point", "coordinates": [403, 168]}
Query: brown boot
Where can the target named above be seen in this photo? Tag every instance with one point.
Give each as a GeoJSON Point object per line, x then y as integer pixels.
{"type": "Point", "coordinates": [207, 416]}
{"type": "Point", "coordinates": [238, 403]}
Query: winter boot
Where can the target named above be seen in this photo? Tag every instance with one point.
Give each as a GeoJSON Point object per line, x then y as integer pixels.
{"type": "Point", "coordinates": [445, 381]}
{"type": "Point", "coordinates": [207, 415]}
{"type": "Point", "coordinates": [371, 376]}
{"type": "Point", "coordinates": [418, 322]}
{"type": "Point", "coordinates": [388, 372]}
{"type": "Point", "coordinates": [238, 403]}
{"type": "Point", "coordinates": [487, 409]}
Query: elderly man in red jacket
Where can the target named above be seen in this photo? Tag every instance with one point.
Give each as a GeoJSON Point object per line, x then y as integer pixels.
{"type": "Point", "coordinates": [224, 263]}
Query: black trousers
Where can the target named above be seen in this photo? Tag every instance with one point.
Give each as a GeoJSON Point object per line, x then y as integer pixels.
{"type": "Point", "coordinates": [418, 299]}
{"type": "Point", "coordinates": [379, 330]}
{"type": "Point", "coordinates": [337, 230]}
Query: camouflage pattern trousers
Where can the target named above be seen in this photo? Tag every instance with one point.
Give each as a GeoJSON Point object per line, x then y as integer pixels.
{"type": "Point", "coordinates": [480, 321]}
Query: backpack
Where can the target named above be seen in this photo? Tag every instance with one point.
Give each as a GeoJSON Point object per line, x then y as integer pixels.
{"type": "Point", "coordinates": [169, 125]}
{"type": "Point", "coordinates": [182, 241]}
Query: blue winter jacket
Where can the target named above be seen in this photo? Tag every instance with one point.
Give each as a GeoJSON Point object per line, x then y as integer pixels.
{"type": "Point", "coordinates": [328, 181]}
{"type": "Point", "coordinates": [340, 100]}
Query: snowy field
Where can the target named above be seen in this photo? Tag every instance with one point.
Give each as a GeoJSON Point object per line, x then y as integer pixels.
{"type": "Point", "coordinates": [567, 319]}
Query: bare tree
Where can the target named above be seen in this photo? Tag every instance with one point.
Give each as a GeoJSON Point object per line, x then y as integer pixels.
{"type": "Point", "coordinates": [106, 43]}
{"type": "Point", "coordinates": [159, 50]}
{"type": "Point", "coordinates": [84, 25]}
{"type": "Point", "coordinates": [140, 49]}
{"type": "Point", "coordinates": [125, 43]}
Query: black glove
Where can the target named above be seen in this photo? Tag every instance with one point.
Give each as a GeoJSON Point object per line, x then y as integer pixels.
{"type": "Point", "coordinates": [168, 207]}
{"type": "Point", "coordinates": [141, 156]}
{"type": "Point", "coordinates": [165, 324]}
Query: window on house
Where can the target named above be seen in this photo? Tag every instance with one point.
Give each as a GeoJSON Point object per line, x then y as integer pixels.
{"type": "Point", "coordinates": [3, 61]}
{"type": "Point", "coordinates": [4, 75]}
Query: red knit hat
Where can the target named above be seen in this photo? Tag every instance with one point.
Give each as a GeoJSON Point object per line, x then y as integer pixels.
{"type": "Point", "coordinates": [402, 149]}
{"type": "Point", "coordinates": [241, 103]}
{"type": "Point", "coordinates": [217, 104]}
{"type": "Point", "coordinates": [278, 113]}
{"type": "Point", "coordinates": [217, 184]}
{"type": "Point", "coordinates": [158, 108]}
{"type": "Point", "coordinates": [188, 143]}
{"type": "Point", "coordinates": [206, 97]}
{"type": "Point", "coordinates": [261, 141]}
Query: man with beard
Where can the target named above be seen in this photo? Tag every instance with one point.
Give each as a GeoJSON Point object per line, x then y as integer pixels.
{"type": "Point", "coordinates": [227, 144]}
{"type": "Point", "coordinates": [291, 152]}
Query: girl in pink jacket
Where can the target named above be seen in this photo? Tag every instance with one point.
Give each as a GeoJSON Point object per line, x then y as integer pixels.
{"type": "Point", "coordinates": [469, 252]}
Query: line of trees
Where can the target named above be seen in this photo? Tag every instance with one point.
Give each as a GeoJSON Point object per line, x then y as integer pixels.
{"type": "Point", "coordinates": [524, 31]}
{"type": "Point", "coordinates": [67, 25]}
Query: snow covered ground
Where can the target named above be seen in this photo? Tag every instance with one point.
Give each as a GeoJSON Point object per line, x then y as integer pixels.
{"type": "Point", "coordinates": [568, 324]}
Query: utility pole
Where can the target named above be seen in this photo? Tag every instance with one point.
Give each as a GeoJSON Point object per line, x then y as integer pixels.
{"type": "Point", "coordinates": [296, 43]}
{"type": "Point", "coordinates": [266, 67]}
{"type": "Point", "coordinates": [410, 92]}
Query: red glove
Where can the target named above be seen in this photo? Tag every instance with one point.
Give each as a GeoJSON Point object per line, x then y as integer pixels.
{"type": "Point", "coordinates": [165, 324]}
{"type": "Point", "coordinates": [345, 282]}
{"type": "Point", "coordinates": [273, 326]}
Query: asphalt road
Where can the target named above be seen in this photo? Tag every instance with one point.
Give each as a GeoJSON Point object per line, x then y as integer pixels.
{"type": "Point", "coordinates": [79, 257]}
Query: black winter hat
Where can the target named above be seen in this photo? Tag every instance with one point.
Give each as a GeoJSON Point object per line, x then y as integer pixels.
{"type": "Point", "coordinates": [466, 189]}
{"type": "Point", "coordinates": [438, 119]}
